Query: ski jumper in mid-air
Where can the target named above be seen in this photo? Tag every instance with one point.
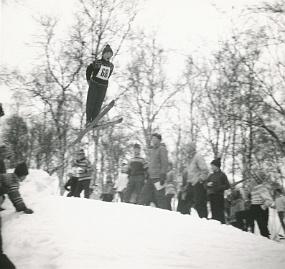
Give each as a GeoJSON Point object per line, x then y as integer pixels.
{"type": "Point", "coordinates": [97, 75]}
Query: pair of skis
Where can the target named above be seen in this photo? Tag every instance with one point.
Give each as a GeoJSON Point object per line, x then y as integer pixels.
{"type": "Point", "coordinates": [94, 124]}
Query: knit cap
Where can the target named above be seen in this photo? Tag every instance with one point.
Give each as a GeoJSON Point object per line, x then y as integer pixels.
{"type": "Point", "coordinates": [216, 162]}
{"type": "Point", "coordinates": [107, 49]}
{"type": "Point", "coordinates": [21, 169]}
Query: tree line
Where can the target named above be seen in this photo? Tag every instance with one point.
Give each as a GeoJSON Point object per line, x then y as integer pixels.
{"type": "Point", "coordinates": [230, 102]}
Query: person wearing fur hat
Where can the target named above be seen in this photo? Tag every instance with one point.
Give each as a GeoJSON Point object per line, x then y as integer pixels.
{"type": "Point", "coordinates": [10, 185]}
{"type": "Point", "coordinates": [97, 76]}
{"type": "Point", "coordinates": [216, 184]}
{"type": "Point", "coordinates": [154, 187]}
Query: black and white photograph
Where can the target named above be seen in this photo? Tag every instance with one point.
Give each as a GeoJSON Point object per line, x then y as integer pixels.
{"type": "Point", "coordinates": [146, 134]}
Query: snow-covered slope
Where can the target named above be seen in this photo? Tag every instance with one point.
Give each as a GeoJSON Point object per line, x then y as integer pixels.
{"type": "Point", "coordinates": [76, 233]}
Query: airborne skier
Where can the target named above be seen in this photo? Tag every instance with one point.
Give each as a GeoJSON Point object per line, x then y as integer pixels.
{"type": "Point", "coordinates": [97, 75]}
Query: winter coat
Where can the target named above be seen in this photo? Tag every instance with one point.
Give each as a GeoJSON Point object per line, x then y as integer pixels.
{"type": "Point", "coordinates": [158, 161]}
{"type": "Point", "coordinates": [220, 183]}
{"type": "Point", "coordinates": [100, 71]}
{"type": "Point", "coordinates": [170, 183]}
{"type": "Point", "coordinates": [260, 195]}
{"type": "Point", "coordinates": [280, 203]}
{"type": "Point", "coordinates": [137, 166]}
{"type": "Point", "coordinates": [121, 182]}
{"type": "Point", "coordinates": [9, 184]}
{"type": "Point", "coordinates": [82, 169]}
{"type": "Point", "coordinates": [197, 170]}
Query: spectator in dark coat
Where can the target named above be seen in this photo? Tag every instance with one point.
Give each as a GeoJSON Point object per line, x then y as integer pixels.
{"type": "Point", "coordinates": [216, 184]}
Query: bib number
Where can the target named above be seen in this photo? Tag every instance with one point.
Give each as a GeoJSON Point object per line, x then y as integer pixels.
{"type": "Point", "coordinates": [103, 72]}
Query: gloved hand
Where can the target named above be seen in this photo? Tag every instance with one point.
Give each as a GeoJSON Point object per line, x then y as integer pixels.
{"type": "Point", "coordinates": [28, 211]}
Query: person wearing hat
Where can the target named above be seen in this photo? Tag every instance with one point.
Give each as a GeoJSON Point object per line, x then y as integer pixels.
{"type": "Point", "coordinates": [154, 187]}
{"type": "Point", "coordinates": [197, 173]}
{"type": "Point", "coordinates": [137, 167]}
{"type": "Point", "coordinates": [97, 76]}
{"type": "Point", "coordinates": [216, 184]}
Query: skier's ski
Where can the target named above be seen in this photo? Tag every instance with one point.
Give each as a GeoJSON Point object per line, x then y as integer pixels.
{"type": "Point", "coordinates": [107, 124]}
{"type": "Point", "coordinates": [93, 123]}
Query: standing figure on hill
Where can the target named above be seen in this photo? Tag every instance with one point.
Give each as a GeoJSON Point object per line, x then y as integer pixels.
{"type": "Point", "coordinates": [136, 170]}
{"type": "Point", "coordinates": [108, 190]}
{"type": "Point", "coordinates": [261, 200]}
{"type": "Point", "coordinates": [216, 184]}
{"type": "Point", "coordinates": [197, 173]}
{"type": "Point", "coordinates": [122, 182]}
{"type": "Point", "coordinates": [97, 76]}
{"type": "Point", "coordinates": [154, 187]}
{"type": "Point", "coordinates": [170, 186]}
{"type": "Point", "coordinates": [280, 206]}
{"type": "Point", "coordinates": [82, 168]}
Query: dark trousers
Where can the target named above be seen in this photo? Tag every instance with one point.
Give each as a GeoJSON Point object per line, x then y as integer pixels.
{"type": "Point", "coordinates": [134, 188]}
{"type": "Point", "coordinates": [244, 221]}
{"type": "Point", "coordinates": [281, 217]}
{"type": "Point", "coordinates": [168, 198]}
{"type": "Point", "coordinates": [186, 200]}
{"type": "Point", "coordinates": [200, 200]}
{"type": "Point", "coordinates": [107, 197]}
{"type": "Point", "coordinates": [261, 217]}
{"type": "Point", "coordinates": [150, 194]}
{"type": "Point", "coordinates": [95, 98]}
{"type": "Point", "coordinates": [82, 185]}
{"type": "Point", "coordinates": [217, 203]}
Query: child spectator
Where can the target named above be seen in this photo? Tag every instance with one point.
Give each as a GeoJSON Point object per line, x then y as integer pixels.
{"type": "Point", "coordinates": [108, 190]}
{"type": "Point", "coordinates": [260, 200]}
{"type": "Point", "coordinates": [170, 185]}
{"type": "Point", "coordinates": [122, 182]}
{"type": "Point", "coordinates": [216, 184]}
{"type": "Point", "coordinates": [280, 206]}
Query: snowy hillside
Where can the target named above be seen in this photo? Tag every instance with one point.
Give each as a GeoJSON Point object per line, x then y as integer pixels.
{"type": "Point", "coordinates": [76, 233]}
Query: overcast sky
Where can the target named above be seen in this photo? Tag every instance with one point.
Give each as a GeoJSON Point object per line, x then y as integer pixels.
{"type": "Point", "coordinates": [182, 26]}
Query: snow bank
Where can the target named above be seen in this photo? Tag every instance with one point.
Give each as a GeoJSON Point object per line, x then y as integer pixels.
{"type": "Point", "coordinates": [76, 233]}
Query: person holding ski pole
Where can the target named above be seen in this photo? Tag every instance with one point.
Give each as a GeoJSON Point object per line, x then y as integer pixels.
{"type": "Point", "coordinates": [97, 76]}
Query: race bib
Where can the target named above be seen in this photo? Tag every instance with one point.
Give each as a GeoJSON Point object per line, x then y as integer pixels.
{"type": "Point", "coordinates": [104, 72]}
